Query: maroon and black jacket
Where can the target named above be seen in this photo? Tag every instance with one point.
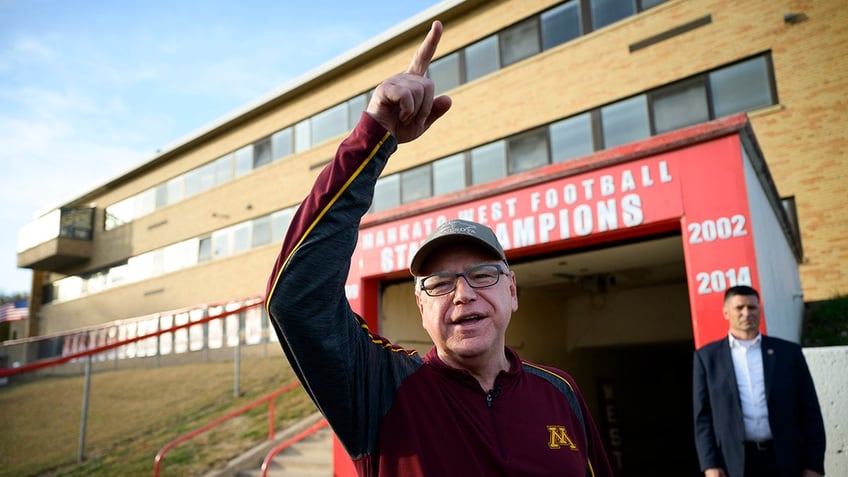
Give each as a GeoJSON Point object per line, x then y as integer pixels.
{"type": "Point", "coordinates": [396, 413]}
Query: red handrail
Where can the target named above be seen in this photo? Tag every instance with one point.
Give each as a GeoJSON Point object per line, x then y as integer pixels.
{"type": "Point", "coordinates": [276, 450]}
{"type": "Point", "coordinates": [270, 398]}
{"type": "Point", "coordinates": [5, 372]}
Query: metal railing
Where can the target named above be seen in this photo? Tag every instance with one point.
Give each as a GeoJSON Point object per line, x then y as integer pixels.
{"type": "Point", "coordinates": [82, 348]}
{"type": "Point", "coordinates": [190, 435]}
{"type": "Point", "coordinates": [205, 327]}
{"type": "Point", "coordinates": [85, 348]}
{"type": "Point", "coordinates": [108, 343]}
{"type": "Point", "coordinates": [266, 464]}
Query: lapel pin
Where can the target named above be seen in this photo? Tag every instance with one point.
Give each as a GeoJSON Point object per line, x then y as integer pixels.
{"type": "Point", "coordinates": [770, 351]}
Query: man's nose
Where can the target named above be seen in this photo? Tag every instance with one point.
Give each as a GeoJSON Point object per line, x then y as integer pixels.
{"type": "Point", "coordinates": [463, 291]}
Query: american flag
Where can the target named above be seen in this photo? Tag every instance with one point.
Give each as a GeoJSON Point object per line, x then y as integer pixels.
{"type": "Point", "coordinates": [14, 311]}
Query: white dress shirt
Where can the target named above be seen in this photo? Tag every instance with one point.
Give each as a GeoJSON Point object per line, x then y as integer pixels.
{"type": "Point", "coordinates": [748, 365]}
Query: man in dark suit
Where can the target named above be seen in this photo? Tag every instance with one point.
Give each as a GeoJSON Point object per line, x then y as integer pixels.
{"type": "Point", "coordinates": [755, 406]}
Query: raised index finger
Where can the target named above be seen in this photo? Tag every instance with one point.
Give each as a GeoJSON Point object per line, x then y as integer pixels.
{"type": "Point", "coordinates": [421, 61]}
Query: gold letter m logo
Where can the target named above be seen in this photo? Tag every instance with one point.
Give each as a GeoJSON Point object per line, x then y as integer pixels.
{"type": "Point", "coordinates": [559, 438]}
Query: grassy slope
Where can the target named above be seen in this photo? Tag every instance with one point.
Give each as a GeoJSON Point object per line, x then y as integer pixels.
{"type": "Point", "coordinates": [134, 412]}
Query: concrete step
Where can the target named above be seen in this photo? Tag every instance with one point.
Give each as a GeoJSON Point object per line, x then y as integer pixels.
{"type": "Point", "coordinates": [310, 457]}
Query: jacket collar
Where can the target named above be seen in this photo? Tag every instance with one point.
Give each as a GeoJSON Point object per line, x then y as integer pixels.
{"type": "Point", "coordinates": [503, 380]}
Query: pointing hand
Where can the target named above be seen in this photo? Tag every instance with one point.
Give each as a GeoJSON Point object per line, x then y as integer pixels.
{"type": "Point", "coordinates": [404, 103]}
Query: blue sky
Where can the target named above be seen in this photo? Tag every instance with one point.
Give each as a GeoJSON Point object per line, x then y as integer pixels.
{"type": "Point", "coordinates": [90, 89]}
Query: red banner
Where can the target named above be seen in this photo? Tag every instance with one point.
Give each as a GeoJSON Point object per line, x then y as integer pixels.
{"type": "Point", "coordinates": [606, 200]}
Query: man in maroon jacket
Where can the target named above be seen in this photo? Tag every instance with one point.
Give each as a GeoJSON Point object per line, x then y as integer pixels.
{"type": "Point", "coordinates": [471, 406]}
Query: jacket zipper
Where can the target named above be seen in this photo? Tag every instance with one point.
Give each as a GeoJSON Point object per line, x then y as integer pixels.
{"type": "Point", "coordinates": [490, 398]}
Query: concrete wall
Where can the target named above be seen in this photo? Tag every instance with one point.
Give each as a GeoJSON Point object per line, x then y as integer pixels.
{"type": "Point", "coordinates": [829, 367]}
{"type": "Point", "coordinates": [780, 287]}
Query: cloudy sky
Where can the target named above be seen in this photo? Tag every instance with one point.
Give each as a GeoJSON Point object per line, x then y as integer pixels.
{"type": "Point", "coordinates": [90, 89]}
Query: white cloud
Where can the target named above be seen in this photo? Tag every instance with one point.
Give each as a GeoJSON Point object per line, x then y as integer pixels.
{"type": "Point", "coordinates": [28, 48]}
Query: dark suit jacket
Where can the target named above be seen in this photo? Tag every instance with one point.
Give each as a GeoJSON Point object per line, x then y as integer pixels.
{"type": "Point", "coordinates": [793, 408]}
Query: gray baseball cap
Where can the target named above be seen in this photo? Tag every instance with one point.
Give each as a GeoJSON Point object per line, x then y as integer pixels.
{"type": "Point", "coordinates": [456, 231]}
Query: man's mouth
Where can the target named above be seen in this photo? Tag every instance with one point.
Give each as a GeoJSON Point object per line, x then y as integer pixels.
{"type": "Point", "coordinates": [468, 319]}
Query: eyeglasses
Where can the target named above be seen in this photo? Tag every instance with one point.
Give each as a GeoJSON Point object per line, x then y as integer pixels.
{"type": "Point", "coordinates": [478, 276]}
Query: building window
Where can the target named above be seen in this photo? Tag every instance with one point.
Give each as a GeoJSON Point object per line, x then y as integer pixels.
{"type": "Point", "coordinates": [160, 196]}
{"type": "Point", "coordinates": [206, 176]}
{"type": "Point", "coordinates": [482, 58]}
{"type": "Point", "coordinates": [742, 87]}
{"type": "Point", "coordinates": [219, 244]}
{"type": "Point", "coordinates": [281, 143]}
{"type": "Point", "coordinates": [280, 221]}
{"type": "Point", "coordinates": [204, 249]}
{"type": "Point", "coordinates": [680, 105]}
{"type": "Point", "coordinates": [386, 193]}
{"type": "Point", "coordinates": [244, 160]}
{"type": "Point", "coordinates": [625, 121]}
{"type": "Point", "coordinates": [528, 151]}
{"type": "Point", "coordinates": [192, 183]}
{"type": "Point", "coordinates": [329, 123]}
{"type": "Point", "coordinates": [415, 184]}
{"type": "Point", "coordinates": [355, 107]}
{"type": "Point", "coordinates": [488, 162]}
{"type": "Point", "coordinates": [68, 288]}
{"type": "Point", "coordinates": [261, 231]}
{"type": "Point", "coordinates": [606, 12]}
{"type": "Point", "coordinates": [140, 267]}
{"type": "Point", "coordinates": [571, 138]}
{"type": "Point", "coordinates": [95, 282]}
{"type": "Point", "coordinates": [145, 203]}
{"type": "Point", "coordinates": [791, 209]}
{"type": "Point", "coordinates": [261, 153]}
{"type": "Point", "coordinates": [76, 222]}
{"type": "Point", "coordinates": [560, 24]}
{"type": "Point", "coordinates": [671, 107]}
{"type": "Point", "coordinates": [520, 41]}
{"type": "Point", "coordinates": [302, 136]}
{"type": "Point", "coordinates": [241, 237]}
{"type": "Point", "coordinates": [175, 189]}
{"type": "Point", "coordinates": [224, 169]}
{"type": "Point", "coordinates": [156, 263]}
{"type": "Point", "coordinates": [118, 275]}
{"type": "Point", "coordinates": [449, 174]}
{"type": "Point", "coordinates": [118, 214]}
{"type": "Point", "coordinates": [222, 242]}
{"type": "Point", "coordinates": [445, 73]}
{"type": "Point", "coordinates": [180, 255]}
